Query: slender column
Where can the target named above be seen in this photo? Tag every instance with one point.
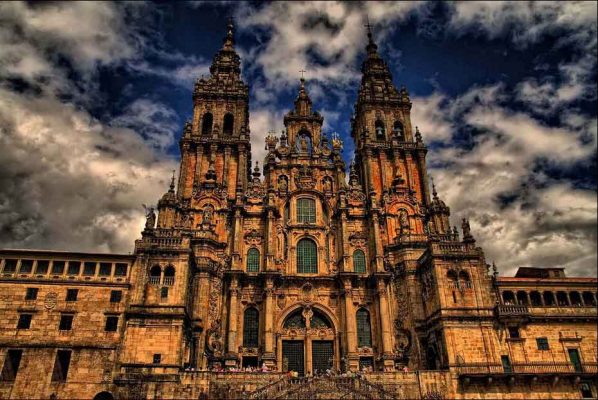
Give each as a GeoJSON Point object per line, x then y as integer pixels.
{"type": "Point", "coordinates": [270, 242]}
{"type": "Point", "coordinates": [350, 325]}
{"type": "Point", "coordinates": [378, 251]}
{"type": "Point", "coordinates": [198, 160]}
{"type": "Point", "coordinates": [232, 323]}
{"type": "Point", "coordinates": [308, 356]}
{"type": "Point", "coordinates": [385, 319]}
{"type": "Point", "coordinates": [345, 242]}
{"type": "Point", "coordinates": [423, 173]}
{"type": "Point", "coordinates": [183, 170]}
{"type": "Point", "coordinates": [227, 152]}
{"type": "Point", "coordinates": [269, 356]}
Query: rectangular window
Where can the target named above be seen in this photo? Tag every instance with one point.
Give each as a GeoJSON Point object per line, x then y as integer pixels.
{"type": "Point", "coordinates": [11, 365]}
{"type": "Point", "coordinates": [71, 294]}
{"type": "Point", "coordinates": [10, 266]}
{"type": "Point", "coordinates": [514, 332]}
{"type": "Point", "coordinates": [157, 359]}
{"type": "Point", "coordinates": [306, 211]}
{"type": "Point", "coordinates": [105, 269]}
{"type": "Point", "coordinates": [542, 343]}
{"type": "Point", "coordinates": [61, 366]}
{"type": "Point", "coordinates": [89, 268]}
{"type": "Point", "coordinates": [120, 269]}
{"type": "Point", "coordinates": [24, 321]}
{"type": "Point", "coordinates": [66, 322]}
{"type": "Point", "coordinates": [26, 267]}
{"type": "Point", "coordinates": [164, 293]}
{"type": "Point", "coordinates": [111, 323]}
{"type": "Point", "coordinates": [115, 296]}
{"type": "Point", "coordinates": [42, 267]}
{"type": "Point", "coordinates": [506, 364]}
{"type": "Point", "coordinates": [74, 268]}
{"type": "Point", "coordinates": [57, 267]}
{"type": "Point", "coordinates": [31, 293]}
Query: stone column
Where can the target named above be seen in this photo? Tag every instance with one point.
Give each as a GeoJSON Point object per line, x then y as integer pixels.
{"type": "Point", "coordinates": [183, 171]}
{"type": "Point", "coordinates": [385, 319]}
{"type": "Point", "coordinates": [224, 180]}
{"type": "Point", "coordinates": [198, 160]}
{"type": "Point", "coordinates": [350, 328]}
{"type": "Point", "coordinates": [269, 357]}
{"type": "Point", "coordinates": [378, 250]}
{"type": "Point", "coordinates": [232, 312]}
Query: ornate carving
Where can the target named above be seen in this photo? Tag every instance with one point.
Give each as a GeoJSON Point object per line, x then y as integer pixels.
{"type": "Point", "coordinates": [358, 239]}
{"type": "Point", "coordinates": [50, 301]}
{"type": "Point", "coordinates": [253, 237]}
{"type": "Point", "coordinates": [305, 179]}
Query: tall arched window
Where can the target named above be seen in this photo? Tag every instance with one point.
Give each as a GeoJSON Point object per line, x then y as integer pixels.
{"type": "Point", "coordinates": [228, 124]}
{"type": "Point", "coordinates": [398, 129]}
{"type": "Point", "coordinates": [306, 211]}
{"type": "Point", "coordinates": [251, 324]}
{"type": "Point", "coordinates": [380, 131]}
{"type": "Point", "coordinates": [253, 260]}
{"type": "Point", "coordinates": [169, 275]}
{"type": "Point", "coordinates": [155, 274]}
{"type": "Point", "coordinates": [364, 329]}
{"type": "Point", "coordinates": [206, 123]}
{"type": "Point", "coordinates": [358, 261]}
{"type": "Point", "coordinates": [307, 257]}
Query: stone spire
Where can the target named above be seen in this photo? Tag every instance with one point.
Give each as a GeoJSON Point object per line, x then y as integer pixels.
{"type": "Point", "coordinates": [302, 102]}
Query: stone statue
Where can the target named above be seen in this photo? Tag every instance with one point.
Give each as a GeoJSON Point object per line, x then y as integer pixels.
{"type": "Point", "coordinates": [282, 184]}
{"type": "Point", "coordinates": [208, 214]}
{"type": "Point", "coordinates": [327, 185]}
{"type": "Point", "coordinates": [150, 217]}
{"type": "Point", "coordinates": [303, 145]}
{"type": "Point", "coordinates": [403, 222]}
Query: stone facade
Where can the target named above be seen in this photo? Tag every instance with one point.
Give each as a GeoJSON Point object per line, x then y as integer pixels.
{"type": "Point", "coordinates": [294, 267]}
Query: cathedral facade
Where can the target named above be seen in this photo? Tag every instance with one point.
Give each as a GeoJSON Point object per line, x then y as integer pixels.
{"type": "Point", "coordinates": [295, 266]}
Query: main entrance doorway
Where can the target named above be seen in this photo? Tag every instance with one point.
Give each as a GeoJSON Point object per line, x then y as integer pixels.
{"type": "Point", "coordinates": [322, 355]}
{"type": "Point", "coordinates": [293, 356]}
{"type": "Point", "coordinates": [306, 343]}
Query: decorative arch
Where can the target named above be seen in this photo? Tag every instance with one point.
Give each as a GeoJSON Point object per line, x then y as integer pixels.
{"type": "Point", "coordinates": [228, 124]}
{"type": "Point", "coordinates": [398, 129]}
{"type": "Point", "coordinates": [169, 273]}
{"type": "Point", "coordinates": [155, 274]}
{"type": "Point", "coordinates": [206, 123]}
{"type": "Point", "coordinates": [315, 307]}
{"type": "Point", "coordinates": [307, 256]}
{"type": "Point", "coordinates": [380, 128]}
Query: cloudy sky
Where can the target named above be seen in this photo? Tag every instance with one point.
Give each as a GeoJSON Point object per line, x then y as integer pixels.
{"type": "Point", "coordinates": [93, 97]}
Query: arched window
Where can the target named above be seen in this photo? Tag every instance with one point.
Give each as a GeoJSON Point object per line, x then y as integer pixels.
{"type": "Point", "coordinates": [358, 261]}
{"type": "Point", "coordinates": [464, 281]}
{"type": "Point", "coordinates": [318, 320]}
{"type": "Point", "coordinates": [307, 257]}
{"type": "Point", "coordinates": [548, 299]}
{"type": "Point", "coordinates": [452, 279]}
{"type": "Point", "coordinates": [398, 130]}
{"type": "Point", "coordinates": [380, 131]}
{"type": "Point", "coordinates": [508, 297]}
{"type": "Point", "coordinates": [522, 298]}
{"type": "Point", "coordinates": [535, 298]}
{"type": "Point", "coordinates": [589, 299]}
{"type": "Point", "coordinates": [364, 328]}
{"type": "Point", "coordinates": [306, 211]}
{"type": "Point", "coordinates": [206, 123]}
{"type": "Point", "coordinates": [169, 275]}
{"type": "Point", "coordinates": [295, 320]}
{"type": "Point", "coordinates": [228, 124]}
{"type": "Point", "coordinates": [561, 298]}
{"type": "Point", "coordinates": [251, 324]}
{"type": "Point", "coordinates": [155, 274]}
{"type": "Point", "coordinates": [253, 260]}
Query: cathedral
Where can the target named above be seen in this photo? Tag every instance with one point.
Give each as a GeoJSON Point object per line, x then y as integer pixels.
{"type": "Point", "coordinates": [285, 277]}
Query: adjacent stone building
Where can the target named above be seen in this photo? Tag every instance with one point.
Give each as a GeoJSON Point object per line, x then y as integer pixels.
{"type": "Point", "coordinates": [294, 267]}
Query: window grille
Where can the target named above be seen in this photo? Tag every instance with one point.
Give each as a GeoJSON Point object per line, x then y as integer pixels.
{"type": "Point", "coordinates": [251, 323]}
{"type": "Point", "coordinates": [358, 261]}
{"type": "Point", "coordinates": [307, 257]}
{"type": "Point", "coordinates": [542, 343]}
{"type": "Point", "coordinates": [306, 211]}
{"type": "Point", "coordinates": [253, 260]}
{"type": "Point", "coordinates": [364, 334]}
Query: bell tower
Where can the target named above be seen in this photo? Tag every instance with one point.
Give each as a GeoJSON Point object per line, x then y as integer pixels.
{"type": "Point", "coordinates": [215, 147]}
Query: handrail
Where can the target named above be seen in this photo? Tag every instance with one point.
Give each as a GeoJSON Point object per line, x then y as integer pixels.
{"type": "Point", "coordinates": [537, 367]}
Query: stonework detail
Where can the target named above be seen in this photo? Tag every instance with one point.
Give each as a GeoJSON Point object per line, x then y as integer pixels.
{"type": "Point", "coordinates": [294, 265]}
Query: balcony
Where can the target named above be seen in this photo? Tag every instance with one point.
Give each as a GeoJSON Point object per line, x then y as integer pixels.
{"type": "Point", "coordinates": [529, 368]}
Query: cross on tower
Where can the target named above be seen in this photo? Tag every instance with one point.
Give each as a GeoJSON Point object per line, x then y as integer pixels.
{"type": "Point", "coordinates": [368, 25]}
{"type": "Point", "coordinates": [302, 72]}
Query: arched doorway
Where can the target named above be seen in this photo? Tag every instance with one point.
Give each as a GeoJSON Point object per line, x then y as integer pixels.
{"type": "Point", "coordinates": [306, 342]}
{"type": "Point", "coordinates": [103, 396]}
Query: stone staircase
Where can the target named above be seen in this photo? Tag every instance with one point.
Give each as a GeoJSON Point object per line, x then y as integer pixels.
{"type": "Point", "coordinates": [321, 387]}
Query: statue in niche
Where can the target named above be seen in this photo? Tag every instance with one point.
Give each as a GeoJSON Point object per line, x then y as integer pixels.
{"type": "Point", "coordinates": [208, 215]}
{"type": "Point", "coordinates": [303, 144]}
{"type": "Point", "coordinates": [150, 217]}
{"type": "Point", "coordinates": [403, 223]}
{"type": "Point", "coordinates": [327, 185]}
{"type": "Point", "coordinates": [282, 184]}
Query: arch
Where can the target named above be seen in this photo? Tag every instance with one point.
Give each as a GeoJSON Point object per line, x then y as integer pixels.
{"type": "Point", "coordinates": [548, 298]}
{"type": "Point", "coordinates": [464, 281]}
{"type": "Point", "coordinates": [359, 261]}
{"type": "Point", "coordinates": [306, 210]}
{"type": "Point", "coordinates": [535, 298]}
{"type": "Point", "coordinates": [295, 320]}
{"type": "Point", "coordinates": [380, 129]}
{"type": "Point", "coordinates": [103, 396]}
{"type": "Point", "coordinates": [169, 275]}
{"type": "Point", "coordinates": [398, 130]}
{"type": "Point", "coordinates": [206, 123]}
{"type": "Point", "coordinates": [364, 328]}
{"type": "Point", "coordinates": [575, 298]}
{"type": "Point", "coordinates": [251, 324]}
{"type": "Point", "coordinates": [319, 320]}
{"type": "Point", "coordinates": [508, 297]}
{"type": "Point", "coordinates": [561, 299]}
{"type": "Point", "coordinates": [228, 124]}
{"type": "Point", "coordinates": [253, 260]}
{"type": "Point", "coordinates": [522, 298]}
{"type": "Point", "coordinates": [307, 257]}
{"type": "Point", "coordinates": [588, 298]}
{"type": "Point", "coordinates": [155, 274]}
{"type": "Point", "coordinates": [452, 278]}
{"type": "Point", "coordinates": [294, 308]}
